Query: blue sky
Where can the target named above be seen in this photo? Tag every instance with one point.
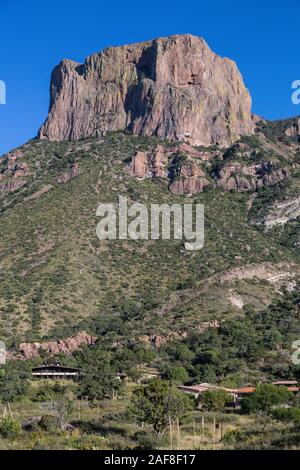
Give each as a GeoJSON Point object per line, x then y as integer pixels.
{"type": "Point", "coordinates": [261, 36]}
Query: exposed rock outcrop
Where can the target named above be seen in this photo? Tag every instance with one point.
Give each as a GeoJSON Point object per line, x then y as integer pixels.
{"type": "Point", "coordinates": [150, 164]}
{"type": "Point", "coordinates": [203, 327]}
{"type": "Point", "coordinates": [68, 175]}
{"type": "Point", "coordinates": [157, 341]}
{"type": "Point", "coordinates": [266, 271]}
{"type": "Point", "coordinates": [175, 88]}
{"type": "Point", "coordinates": [184, 175]}
{"type": "Point", "coordinates": [183, 166]}
{"type": "Point", "coordinates": [193, 184]}
{"type": "Point", "coordinates": [236, 300]}
{"type": "Point", "coordinates": [198, 154]}
{"type": "Point", "coordinates": [294, 130]}
{"type": "Point", "coordinates": [282, 212]}
{"type": "Point", "coordinates": [67, 346]}
{"type": "Point", "coordinates": [12, 173]}
{"type": "Point", "coordinates": [14, 169]}
{"type": "Point", "coordinates": [240, 177]}
{"type": "Point", "coordinates": [11, 186]}
{"type": "Point", "coordinates": [11, 166]}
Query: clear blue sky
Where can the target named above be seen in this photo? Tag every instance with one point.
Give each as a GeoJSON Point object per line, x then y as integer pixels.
{"type": "Point", "coordinates": [262, 36]}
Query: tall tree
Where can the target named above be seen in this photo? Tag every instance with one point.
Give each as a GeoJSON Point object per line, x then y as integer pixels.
{"type": "Point", "coordinates": [265, 399]}
{"type": "Point", "coordinates": [99, 378]}
{"type": "Point", "coordinates": [157, 403]}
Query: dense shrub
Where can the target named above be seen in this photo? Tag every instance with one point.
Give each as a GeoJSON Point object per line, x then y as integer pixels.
{"type": "Point", "coordinates": [147, 440]}
{"type": "Point", "coordinates": [9, 428]}
{"type": "Point", "coordinates": [214, 400]}
{"type": "Point", "coordinates": [232, 436]}
{"type": "Point", "coordinates": [49, 423]}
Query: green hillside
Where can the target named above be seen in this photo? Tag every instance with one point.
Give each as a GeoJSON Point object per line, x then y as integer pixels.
{"type": "Point", "coordinates": [58, 278]}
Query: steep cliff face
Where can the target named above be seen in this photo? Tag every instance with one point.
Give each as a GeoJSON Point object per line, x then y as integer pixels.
{"type": "Point", "coordinates": [175, 88]}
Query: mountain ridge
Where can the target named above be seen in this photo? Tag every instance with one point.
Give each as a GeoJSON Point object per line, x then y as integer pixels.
{"type": "Point", "coordinates": [58, 279]}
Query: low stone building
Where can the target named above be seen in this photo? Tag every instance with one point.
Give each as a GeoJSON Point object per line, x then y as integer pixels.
{"type": "Point", "coordinates": [55, 371]}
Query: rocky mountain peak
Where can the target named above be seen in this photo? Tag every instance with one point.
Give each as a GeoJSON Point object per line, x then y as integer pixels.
{"type": "Point", "coordinates": [174, 88]}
